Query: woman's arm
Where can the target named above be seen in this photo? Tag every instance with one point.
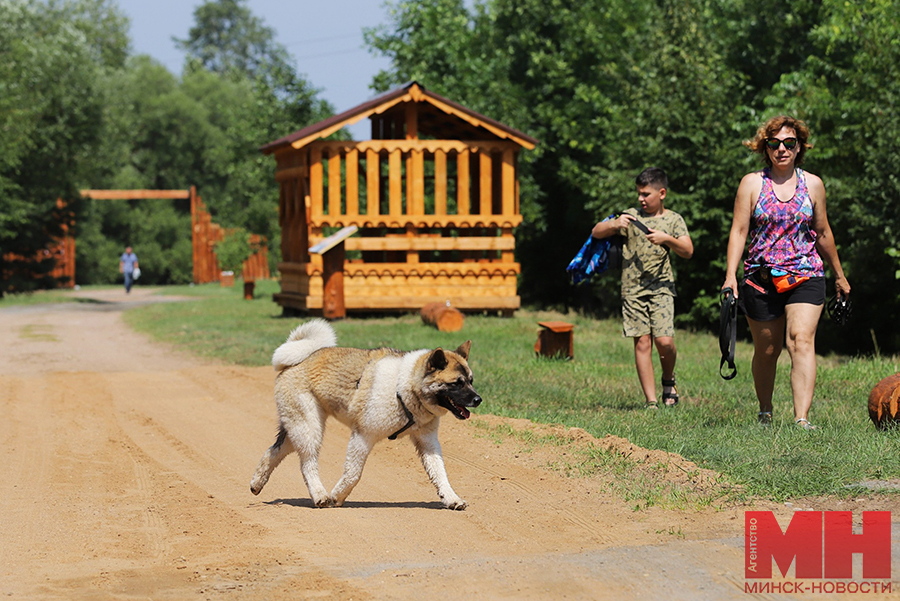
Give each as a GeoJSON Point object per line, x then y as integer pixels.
{"type": "Point", "coordinates": [748, 190]}
{"type": "Point", "coordinates": [824, 236]}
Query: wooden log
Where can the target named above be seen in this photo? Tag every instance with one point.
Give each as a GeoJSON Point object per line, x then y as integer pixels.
{"type": "Point", "coordinates": [442, 316]}
{"type": "Point", "coordinates": [884, 402]}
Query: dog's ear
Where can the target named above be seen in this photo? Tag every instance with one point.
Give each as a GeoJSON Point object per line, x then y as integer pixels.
{"type": "Point", "coordinates": [463, 350]}
{"type": "Point", "coordinates": [436, 361]}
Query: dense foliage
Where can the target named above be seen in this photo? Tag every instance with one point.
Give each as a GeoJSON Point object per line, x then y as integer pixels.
{"type": "Point", "coordinates": [79, 110]}
{"type": "Point", "coordinates": [50, 108]}
{"type": "Point", "coordinates": [607, 86]}
{"type": "Point", "coordinates": [612, 86]}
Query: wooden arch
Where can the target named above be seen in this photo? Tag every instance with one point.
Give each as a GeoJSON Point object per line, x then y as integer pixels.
{"type": "Point", "coordinates": [204, 235]}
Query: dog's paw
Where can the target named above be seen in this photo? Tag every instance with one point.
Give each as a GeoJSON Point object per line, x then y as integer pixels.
{"type": "Point", "coordinates": [324, 502]}
{"type": "Point", "coordinates": [256, 485]}
{"type": "Point", "coordinates": [457, 504]}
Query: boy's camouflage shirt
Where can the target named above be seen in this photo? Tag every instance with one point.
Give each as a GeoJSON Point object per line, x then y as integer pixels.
{"type": "Point", "coordinates": [646, 268]}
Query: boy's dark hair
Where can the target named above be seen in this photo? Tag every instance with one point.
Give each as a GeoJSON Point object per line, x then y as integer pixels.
{"type": "Point", "coordinates": [652, 176]}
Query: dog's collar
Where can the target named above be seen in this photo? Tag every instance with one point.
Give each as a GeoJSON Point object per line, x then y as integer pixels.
{"type": "Point", "coordinates": [409, 417]}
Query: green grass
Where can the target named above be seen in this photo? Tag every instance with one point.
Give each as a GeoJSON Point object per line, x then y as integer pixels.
{"type": "Point", "coordinates": [46, 296]}
{"type": "Point", "coordinates": [714, 426]}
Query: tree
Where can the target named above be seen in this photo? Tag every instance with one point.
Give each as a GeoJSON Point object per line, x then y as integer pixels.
{"type": "Point", "coordinates": [104, 25]}
{"type": "Point", "coordinates": [228, 38]}
{"type": "Point", "coordinates": [606, 93]}
{"type": "Point", "coordinates": [847, 91]}
{"type": "Point", "coordinates": [237, 91]}
{"type": "Point", "coordinates": [50, 111]}
{"type": "Point", "coordinates": [229, 41]}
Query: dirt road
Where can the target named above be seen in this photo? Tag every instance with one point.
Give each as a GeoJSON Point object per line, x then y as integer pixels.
{"type": "Point", "coordinates": [125, 473]}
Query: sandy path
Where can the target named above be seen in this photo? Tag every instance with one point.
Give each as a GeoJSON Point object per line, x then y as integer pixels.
{"type": "Point", "coordinates": [125, 472]}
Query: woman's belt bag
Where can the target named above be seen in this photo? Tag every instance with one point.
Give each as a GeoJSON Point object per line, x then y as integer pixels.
{"type": "Point", "coordinates": [784, 281]}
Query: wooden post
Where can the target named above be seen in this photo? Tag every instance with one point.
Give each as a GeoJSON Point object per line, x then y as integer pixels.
{"type": "Point", "coordinates": [373, 171]}
{"type": "Point", "coordinates": [462, 182]}
{"type": "Point", "coordinates": [440, 182]}
{"type": "Point", "coordinates": [333, 254]}
{"type": "Point", "coordinates": [394, 177]}
{"type": "Point", "coordinates": [352, 171]}
{"type": "Point", "coordinates": [333, 280]}
{"type": "Point", "coordinates": [334, 183]}
{"type": "Point", "coordinates": [485, 201]}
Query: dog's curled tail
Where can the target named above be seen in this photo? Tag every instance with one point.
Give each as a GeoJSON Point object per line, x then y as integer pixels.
{"type": "Point", "coordinates": [304, 341]}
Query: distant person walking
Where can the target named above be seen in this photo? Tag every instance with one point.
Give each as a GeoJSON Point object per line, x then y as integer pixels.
{"type": "Point", "coordinates": [782, 209]}
{"type": "Point", "coordinates": [128, 262]}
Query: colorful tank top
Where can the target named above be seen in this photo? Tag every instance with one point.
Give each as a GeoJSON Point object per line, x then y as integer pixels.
{"type": "Point", "coordinates": [781, 236]}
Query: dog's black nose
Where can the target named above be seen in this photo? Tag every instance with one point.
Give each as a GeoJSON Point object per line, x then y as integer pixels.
{"type": "Point", "coordinates": [476, 401]}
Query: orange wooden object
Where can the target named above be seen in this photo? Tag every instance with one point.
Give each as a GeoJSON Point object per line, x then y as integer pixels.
{"type": "Point", "coordinates": [884, 402]}
{"type": "Point", "coordinates": [442, 316]}
{"type": "Point", "coordinates": [555, 339]}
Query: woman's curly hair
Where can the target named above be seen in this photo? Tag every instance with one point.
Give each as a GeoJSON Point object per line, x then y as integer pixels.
{"type": "Point", "coordinates": [772, 127]}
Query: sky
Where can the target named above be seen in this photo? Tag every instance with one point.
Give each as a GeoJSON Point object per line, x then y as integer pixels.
{"type": "Point", "coordinates": [325, 38]}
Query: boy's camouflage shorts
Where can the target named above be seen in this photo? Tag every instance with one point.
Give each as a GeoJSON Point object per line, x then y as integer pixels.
{"type": "Point", "coordinates": [653, 315]}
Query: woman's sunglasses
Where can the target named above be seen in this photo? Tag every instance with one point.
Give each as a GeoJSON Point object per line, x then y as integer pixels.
{"type": "Point", "coordinates": [774, 143]}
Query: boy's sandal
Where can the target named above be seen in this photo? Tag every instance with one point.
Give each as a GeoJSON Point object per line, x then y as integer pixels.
{"type": "Point", "coordinates": [652, 405]}
{"type": "Point", "coordinates": [670, 399]}
{"type": "Point", "coordinates": [804, 423]}
{"type": "Point", "coordinates": [764, 418]}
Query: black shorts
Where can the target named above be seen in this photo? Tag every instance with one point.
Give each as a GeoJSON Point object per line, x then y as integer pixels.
{"type": "Point", "coordinates": [761, 302]}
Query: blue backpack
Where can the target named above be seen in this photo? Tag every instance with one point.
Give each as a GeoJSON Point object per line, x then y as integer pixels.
{"type": "Point", "coordinates": [596, 256]}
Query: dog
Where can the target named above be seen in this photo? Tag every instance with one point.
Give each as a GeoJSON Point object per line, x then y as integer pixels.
{"type": "Point", "coordinates": [378, 393]}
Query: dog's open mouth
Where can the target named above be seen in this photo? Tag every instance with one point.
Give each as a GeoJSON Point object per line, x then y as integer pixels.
{"type": "Point", "coordinates": [458, 411]}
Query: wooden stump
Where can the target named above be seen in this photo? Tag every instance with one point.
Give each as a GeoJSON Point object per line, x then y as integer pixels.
{"type": "Point", "coordinates": [442, 316]}
{"type": "Point", "coordinates": [226, 279]}
{"type": "Point", "coordinates": [884, 402]}
{"type": "Point", "coordinates": [248, 289]}
{"type": "Point", "coordinates": [555, 339]}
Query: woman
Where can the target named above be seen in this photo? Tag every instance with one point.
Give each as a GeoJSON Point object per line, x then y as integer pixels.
{"type": "Point", "coordinates": [782, 207]}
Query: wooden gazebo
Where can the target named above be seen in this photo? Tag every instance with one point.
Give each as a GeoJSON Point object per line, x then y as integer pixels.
{"type": "Point", "coordinates": [434, 195]}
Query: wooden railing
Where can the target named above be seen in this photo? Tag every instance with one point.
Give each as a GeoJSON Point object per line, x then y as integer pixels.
{"type": "Point", "coordinates": [424, 183]}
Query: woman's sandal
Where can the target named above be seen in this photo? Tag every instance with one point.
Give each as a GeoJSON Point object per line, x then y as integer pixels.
{"type": "Point", "coordinates": [804, 423]}
{"type": "Point", "coordinates": [670, 399]}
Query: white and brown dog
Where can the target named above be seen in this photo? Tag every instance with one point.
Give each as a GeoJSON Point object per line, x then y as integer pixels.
{"type": "Point", "coordinates": [378, 393]}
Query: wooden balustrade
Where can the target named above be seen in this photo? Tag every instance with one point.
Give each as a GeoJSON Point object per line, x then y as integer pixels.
{"type": "Point", "coordinates": [348, 184]}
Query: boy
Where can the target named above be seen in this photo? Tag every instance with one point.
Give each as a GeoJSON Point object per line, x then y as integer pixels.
{"type": "Point", "coordinates": [648, 284]}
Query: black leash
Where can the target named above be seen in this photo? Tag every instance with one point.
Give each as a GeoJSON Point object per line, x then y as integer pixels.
{"type": "Point", "coordinates": [409, 416]}
{"type": "Point", "coordinates": [728, 333]}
